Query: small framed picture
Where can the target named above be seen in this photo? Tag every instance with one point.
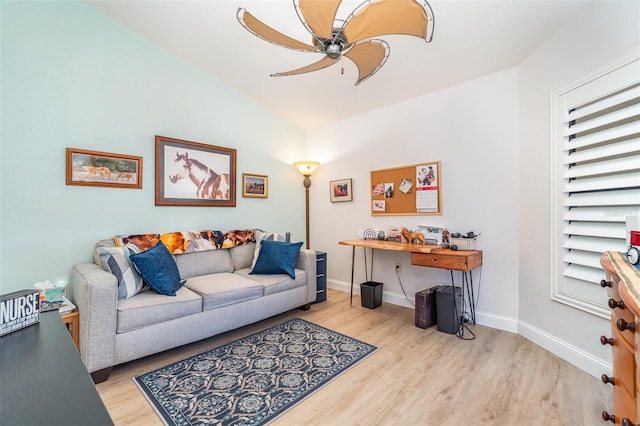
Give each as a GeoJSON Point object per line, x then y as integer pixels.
{"type": "Point", "coordinates": [255, 186]}
{"type": "Point", "coordinates": [340, 190]}
{"type": "Point", "coordinates": [94, 168]}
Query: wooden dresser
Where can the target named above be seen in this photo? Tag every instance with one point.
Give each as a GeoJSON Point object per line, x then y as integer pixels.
{"type": "Point", "coordinates": [624, 281]}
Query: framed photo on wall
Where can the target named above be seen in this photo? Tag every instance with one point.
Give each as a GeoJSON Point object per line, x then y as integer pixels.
{"type": "Point", "coordinates": [194, 174]}
{"type": "Point", "coordinates": [255, 186]}
{"type": "Point", "coordinates": [340, 190]}
{"type": "Point", "coordinates": [95, 168]}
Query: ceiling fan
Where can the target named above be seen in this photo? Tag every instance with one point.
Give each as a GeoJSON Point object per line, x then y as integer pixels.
{"type": "Point", "coordinates": [352, 37]}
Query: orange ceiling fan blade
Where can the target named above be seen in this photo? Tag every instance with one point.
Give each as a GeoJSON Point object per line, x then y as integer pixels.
{"type": "Point", "coordinates": [382, 17]}
{"type": "Point", "coordinates": [369, 57]}
{"type": "Point", "coordinates": [318, 15]}
{"type": "Point", "coordinates": [322, 63]}
{"type": "Point", "coordinates": [265, 32]}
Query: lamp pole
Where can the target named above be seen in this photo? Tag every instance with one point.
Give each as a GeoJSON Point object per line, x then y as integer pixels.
{"type": "Point", "coordinates": [306, 168]}
{"type": "Point", "coordinates": [307, 184]}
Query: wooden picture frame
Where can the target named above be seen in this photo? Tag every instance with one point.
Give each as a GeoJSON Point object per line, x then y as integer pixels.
{"type": "Point", "coordinates": [255, 186]}
{"type": "Point", "coordinates": [96, 168]}
{"type": "Point", "coordinates": [340, 190]}
{"type": "Point", "coordinates": [194, 174]}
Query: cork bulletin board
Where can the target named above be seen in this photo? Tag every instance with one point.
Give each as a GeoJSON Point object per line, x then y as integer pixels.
{"type": "Point", "coordinates": [407, 190]}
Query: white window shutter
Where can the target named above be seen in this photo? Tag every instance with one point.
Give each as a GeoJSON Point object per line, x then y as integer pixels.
{"type": "Point", "coordinates": [596, 146]}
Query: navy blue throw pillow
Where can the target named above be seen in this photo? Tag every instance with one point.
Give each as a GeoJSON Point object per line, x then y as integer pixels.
{"type": "Point", "coordinates": [158, 269]}
{"type": "Point", "coordinates": [277, 257]}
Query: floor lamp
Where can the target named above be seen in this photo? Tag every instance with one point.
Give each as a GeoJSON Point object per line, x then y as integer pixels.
{"type": "Point", "coordinates": [307, 168]}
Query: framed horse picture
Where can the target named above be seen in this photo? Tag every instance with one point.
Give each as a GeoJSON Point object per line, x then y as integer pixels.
{"type": "Point", "coordinates": [194, 174]}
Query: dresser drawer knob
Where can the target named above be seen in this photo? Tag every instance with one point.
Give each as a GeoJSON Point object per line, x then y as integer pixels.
{"type": "Point", "coordinates": [607, 379]}
{"type": "Point", "coordinates": [605, 283]}
{"type": "Point", "coordinates": [626, 422]}
{"type": "Point", "coordinates": [616, 304]}
{"type": "Point", "coordinates": [606, 340]}
{"type": "Point", "coordinates": [623, 325]}
{"type": "Point", "coordinates": [608, 417]}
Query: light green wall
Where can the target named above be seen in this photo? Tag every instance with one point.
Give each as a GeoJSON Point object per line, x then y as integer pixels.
{"type": "Point", "coordinates": [72, 77]}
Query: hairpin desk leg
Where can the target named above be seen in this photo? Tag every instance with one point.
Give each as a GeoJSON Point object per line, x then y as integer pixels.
{"type": "Point", "coordinates": [353, 259]}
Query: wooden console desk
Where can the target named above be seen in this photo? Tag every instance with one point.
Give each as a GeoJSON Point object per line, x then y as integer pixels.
{"type": "Point", "coordinates": [431, 256]}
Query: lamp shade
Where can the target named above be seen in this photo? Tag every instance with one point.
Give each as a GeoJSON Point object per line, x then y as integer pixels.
{"type": "Point", "coordinates": [306, 167]}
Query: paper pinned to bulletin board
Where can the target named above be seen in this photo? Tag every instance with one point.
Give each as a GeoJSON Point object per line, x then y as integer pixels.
{"type": "Point", "coordinates": [407, 190]}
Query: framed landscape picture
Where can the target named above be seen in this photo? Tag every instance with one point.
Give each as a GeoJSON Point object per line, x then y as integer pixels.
{"type": "Point", "coordinates": [340, 190]}
{"type": "Point", "coordinates": [95, 168]}
{"type": "Point", "coordinates": [255, 186]}
{"type": "Point", "coordinates": [194, 174]}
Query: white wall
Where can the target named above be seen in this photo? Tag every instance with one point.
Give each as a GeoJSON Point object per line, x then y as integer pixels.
{"type": "Point", "coordinates": [602, 32]}
{"type": "Point", "coordinates": [493, 138]}
{"type": "Point", "coordinates": [72, 77]}
{"type": "Point", "coordinates": [472, 129]}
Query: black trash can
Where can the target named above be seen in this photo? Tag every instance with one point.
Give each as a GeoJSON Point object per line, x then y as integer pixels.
{"type": "Point", "coordinates": [371, 294]}
{"type": "Point", "coordinates": [448, 307]}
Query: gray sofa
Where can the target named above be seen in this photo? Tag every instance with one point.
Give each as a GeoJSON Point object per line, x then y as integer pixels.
{"type": "Point", "coordinates": [219, 295]}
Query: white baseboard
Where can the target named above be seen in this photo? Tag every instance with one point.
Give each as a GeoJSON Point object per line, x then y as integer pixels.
{"type": "Point", "coordinates": [570, 353]}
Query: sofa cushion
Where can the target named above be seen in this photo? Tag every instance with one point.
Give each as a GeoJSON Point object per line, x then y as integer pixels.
{"type": "Point", "coordinates": [277, 257]}
{"type": "Point", "coordinates": [224, 289]}
{"type": "Point", "coordinates": [267, 236]}
{"type": "Point", "coordinates": [242, 256]}
{"type": "Point", "coordinates": [275, 283]}
{"type": "Point", "coordinates": [150, 307]}
{"type": "Point", "coordinates": [204, 263]}
{"type": "Point", "coordinates": [158, 269]}
{"type": "Point", "coordinates": [116, 260]}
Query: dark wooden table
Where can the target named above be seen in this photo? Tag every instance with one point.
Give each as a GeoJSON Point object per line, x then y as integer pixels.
{"type": "Point", "coordinates": [43, 380]}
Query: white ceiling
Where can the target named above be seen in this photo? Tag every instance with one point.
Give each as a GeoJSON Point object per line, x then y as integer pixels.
{"type": "Point", "coordinates": [470, 39]}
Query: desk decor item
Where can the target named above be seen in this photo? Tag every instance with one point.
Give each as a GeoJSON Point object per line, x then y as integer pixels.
{"type": "Point", "coordinates": [95, 168]}
{"type": "Point", "coordinates": [18, 310]}
{"type": "Point", "coordinates": [413, 237]}
{"type": "Point", "coordinates": [253, 380]}
{"type": "Point", "coordinates": [255, 186]}
{"type": "Point", "coordinates": [194, 174]}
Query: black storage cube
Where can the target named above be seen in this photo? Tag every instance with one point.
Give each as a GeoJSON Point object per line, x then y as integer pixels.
{"type": "Point", "coordinates": [371, 294]}
{"type": "Point", "coordinates": [321, 277]}
{"type": "Point", "coordinates": [426, 312]}
{"type": "Point", "coordinates": [448, 305]}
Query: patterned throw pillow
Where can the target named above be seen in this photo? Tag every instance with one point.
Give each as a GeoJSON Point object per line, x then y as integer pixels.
{"type": "Point", "coordinates": [267, 236]}
{"type": "Point", "coordinates": [116, 260]}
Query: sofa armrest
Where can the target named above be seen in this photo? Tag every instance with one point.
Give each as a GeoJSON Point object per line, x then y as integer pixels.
{"type": "Point", "coordinates": [307, 262]}
{"type": "Point", "coordinates": [95, 292]}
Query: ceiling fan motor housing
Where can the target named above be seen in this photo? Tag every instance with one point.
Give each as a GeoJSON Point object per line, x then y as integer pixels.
{"type": "Point", "coordinates": [334, 50]}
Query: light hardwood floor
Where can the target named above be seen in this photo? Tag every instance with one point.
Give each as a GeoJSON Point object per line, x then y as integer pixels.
{"type": "Point", "coordinates": [416, 377]}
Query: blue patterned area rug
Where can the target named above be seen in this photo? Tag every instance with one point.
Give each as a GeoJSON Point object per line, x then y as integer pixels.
{"type": "Point", "coordinates": [253, 380]}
